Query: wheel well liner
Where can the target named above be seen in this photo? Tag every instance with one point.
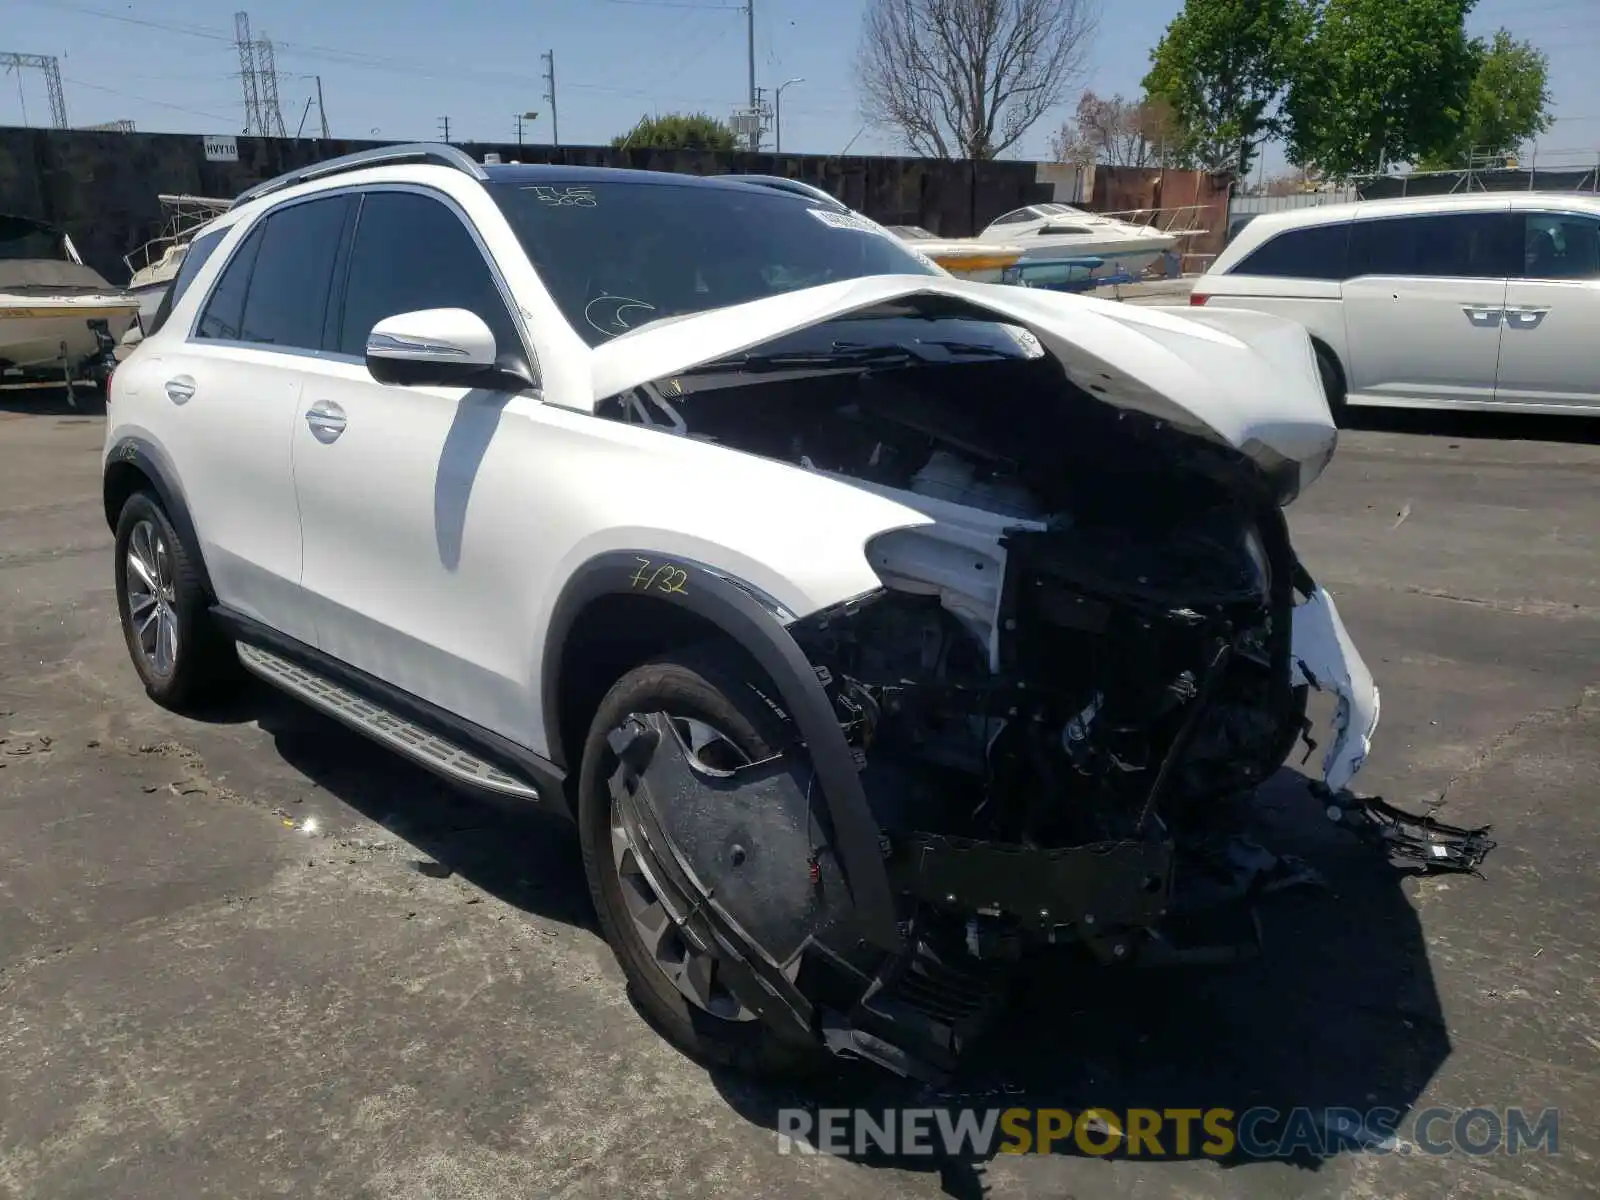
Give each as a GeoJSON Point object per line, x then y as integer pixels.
{"type": "Point", "coordinates": [707, 603]}
{"type": "Point", "coordinates": [136, 463]}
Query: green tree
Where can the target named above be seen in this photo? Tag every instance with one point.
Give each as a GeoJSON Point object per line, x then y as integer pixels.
{"type": "Point", "coordinates": [678, 131]}
{"type": "Point", "coordinates": [1222, 68]}
{"type": "Point", "coordinates": [1380, 82]}
{"type": "Point", "coordinates": [1507, 104]}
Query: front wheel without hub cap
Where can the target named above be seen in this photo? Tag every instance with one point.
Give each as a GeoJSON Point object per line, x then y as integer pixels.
{"type": "Point", "coordinates": [178, 652]}
{"type": "Point", "coordinates": [708, 703]}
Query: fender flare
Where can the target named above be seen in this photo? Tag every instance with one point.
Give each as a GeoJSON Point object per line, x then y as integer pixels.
{"type": "Point", "coordinates": [153, 463]}
{"type": "Point", "coordinates": [741, 613]}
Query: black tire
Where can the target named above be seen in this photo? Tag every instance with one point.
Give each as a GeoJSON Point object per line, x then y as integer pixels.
{"type": "Point", "coordinates": [716, 686]}
{"type": "Point", "coordinates": [1332, 385]}
{"type": "Point", "coordinates": [204, 665]}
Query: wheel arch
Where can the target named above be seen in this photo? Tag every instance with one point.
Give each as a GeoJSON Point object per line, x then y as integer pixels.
{"type": "Point", "coordinates": [1326, 351]}
{"type": "Point", "coordinates": [623, 607]}
{"type": "Point", "coordinates": [137, 464]}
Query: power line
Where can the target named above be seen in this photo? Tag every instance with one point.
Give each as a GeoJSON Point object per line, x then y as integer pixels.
{"type": "Point", "coordinates": [197, 112]}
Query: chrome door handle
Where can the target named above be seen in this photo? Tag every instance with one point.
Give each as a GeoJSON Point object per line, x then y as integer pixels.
{"type": "Point", "coordinates": [1525, 318]}
{"type": "Point", "coordinates": [1483, 316]}
{"type": "Point", "coordinates": [327, 421]}
{"type": "Point", "coordinates": [180, 390]}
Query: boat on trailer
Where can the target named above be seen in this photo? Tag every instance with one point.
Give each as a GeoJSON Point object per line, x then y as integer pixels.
{"type": "Point", "coordinates": [154, 265]}
{"type": "Point", "coordinates": [60, 319]}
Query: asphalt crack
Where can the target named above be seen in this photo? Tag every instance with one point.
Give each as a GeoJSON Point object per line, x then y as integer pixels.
{"type": "Point", "coordinates": [1496, 745]}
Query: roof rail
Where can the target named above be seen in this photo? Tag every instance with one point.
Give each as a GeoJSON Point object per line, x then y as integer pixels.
{"type": "Point", "coordinates": [436, 153]}
{"type": "Point", "coordinates": [797, 187]}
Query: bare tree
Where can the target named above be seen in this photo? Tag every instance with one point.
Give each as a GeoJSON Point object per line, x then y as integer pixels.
{"type": "Point", "coordinates": [1118, 133]}
{"type": "Point", "coordinates": [967, 78]}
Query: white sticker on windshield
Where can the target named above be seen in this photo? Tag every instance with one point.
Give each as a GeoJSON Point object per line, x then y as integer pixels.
{"type": "Point", "coordinates": [839, 220]}
{"type": "Point", "coordinates": [564, 197]}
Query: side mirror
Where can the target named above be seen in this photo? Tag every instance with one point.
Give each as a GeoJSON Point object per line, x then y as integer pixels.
{"type": "Point", "coordinates": [440, 347]}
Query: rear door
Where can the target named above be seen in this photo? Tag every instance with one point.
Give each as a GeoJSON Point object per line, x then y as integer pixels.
{"type": "Point", "coordinates": [1548, 357]}
{"type": "Point", "coordinates": [233, 384]}
{"type": "Point", "coordinates": [1423, 303]}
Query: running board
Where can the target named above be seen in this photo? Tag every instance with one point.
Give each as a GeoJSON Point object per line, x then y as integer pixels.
{"type": "Point", "coordinates": [420, 745]}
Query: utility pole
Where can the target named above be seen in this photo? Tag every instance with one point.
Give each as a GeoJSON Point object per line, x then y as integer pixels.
{"type": "Point", "coordinates": [322, 112]}
{"type": "Point", "coordinates": [550, 95]}
{"type": "Point", "coordinates": [444, 123]}
{"type": "Point", "coordinates": [521, 117]}
{"type": "Point", "coordinates": [750, 55]}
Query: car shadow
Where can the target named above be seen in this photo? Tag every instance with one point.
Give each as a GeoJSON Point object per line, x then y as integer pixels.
{"type": "Point", "coordinates": [1477, 426]}
{"type": "Point", "coordinates": [86, 402]}
{"type": "Point", "coordinates": [1339, 1012]}
{"type": "Point", "coordinates": [1338, 1015]}
{"type": "Point", "coordinates": [506, 847]}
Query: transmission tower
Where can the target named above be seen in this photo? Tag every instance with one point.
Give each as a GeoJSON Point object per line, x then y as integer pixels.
{"type": "Point", "coordinates": [247, 72]}
{"type": "Point", "coordinates": [267, 75]}
{"type": "Point", "coordinates": [550, 95]}
{"type": "Point", "coordinates": [51, 67]}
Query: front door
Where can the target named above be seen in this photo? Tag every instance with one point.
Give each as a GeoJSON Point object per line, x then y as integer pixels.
{"type": "Point", "coordinates": [234, 383]}
{"type": "Point", "coordinates": [1548, 358]}
{"type": "Point", "coordinates": [412, 578]}
{"type": "Point", "coordinates": [1423, 304]}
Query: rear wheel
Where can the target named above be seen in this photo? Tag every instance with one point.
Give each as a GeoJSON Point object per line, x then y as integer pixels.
{"type": "Point", "coordinates": [711, 700]}
{"type": "Point", "coordinates": [181, 656]}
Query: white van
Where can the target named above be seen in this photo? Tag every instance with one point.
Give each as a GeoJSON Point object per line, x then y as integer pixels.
{"type": "Point", "coordinates": [1485, 301]}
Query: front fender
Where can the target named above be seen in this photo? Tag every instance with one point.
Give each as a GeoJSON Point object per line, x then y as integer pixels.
{"type": "Point", "coordinates": [752, 620]}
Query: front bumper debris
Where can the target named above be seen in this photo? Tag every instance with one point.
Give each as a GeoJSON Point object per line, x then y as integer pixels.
{"type": "Point", "coordinates": [1325, 657]}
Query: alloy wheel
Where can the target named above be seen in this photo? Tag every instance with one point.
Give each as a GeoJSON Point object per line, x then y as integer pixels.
{"type": "Point", "coordinates": [152, 597]}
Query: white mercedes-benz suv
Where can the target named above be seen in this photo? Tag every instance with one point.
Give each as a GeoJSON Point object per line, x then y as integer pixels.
{"type": "Point", "coordinates": [876, 628]}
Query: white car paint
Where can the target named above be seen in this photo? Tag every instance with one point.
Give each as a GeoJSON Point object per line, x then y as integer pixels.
{"type": "Point", "coordinates": [427, 544]}
{"type": "Point", "coordinates": [1510, 340]}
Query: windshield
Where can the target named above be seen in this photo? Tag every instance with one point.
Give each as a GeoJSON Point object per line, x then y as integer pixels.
{"type": "Point", "coordinates": [618, 255]}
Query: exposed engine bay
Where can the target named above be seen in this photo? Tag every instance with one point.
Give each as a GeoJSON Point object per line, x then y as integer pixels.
{"type": "Point", "coordinates": [1096, 642]}
{"type": "Point", "coordinates": [1087, 644]}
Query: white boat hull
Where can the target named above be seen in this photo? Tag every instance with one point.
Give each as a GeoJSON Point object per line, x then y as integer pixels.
{"type": "Point", "coordinates": [39, 334]}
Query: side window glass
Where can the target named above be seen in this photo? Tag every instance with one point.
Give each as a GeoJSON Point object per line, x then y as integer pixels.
{"type": "Point", "coordinates": [412, 252]}
{"type": "Point", "coordinates": [1560, 246]}
{"type": "Point", "coordinates": [200, 249]}
{"type": "Point", "coordinates": [224, 311]}
{"type": "Point", "coordinates": [1014, 218]}
{"type": "Point", "coordinates": [1444, 246]}
{"type": "Point", "coordinates": [1315, 252]}
{"type": "Point", "coordinates": [287, 299]}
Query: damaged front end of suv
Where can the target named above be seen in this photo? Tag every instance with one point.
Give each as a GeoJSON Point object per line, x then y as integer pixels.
{"type": "Point", "coordinates": [1090, 642]}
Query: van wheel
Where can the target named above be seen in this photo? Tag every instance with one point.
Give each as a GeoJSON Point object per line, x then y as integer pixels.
{"type": "Point", "coordinates": [710, 695]}
{"type": "Point", "coordinates": [1332, 384]}
{"type": "Point", "coordinates": [182, 658]}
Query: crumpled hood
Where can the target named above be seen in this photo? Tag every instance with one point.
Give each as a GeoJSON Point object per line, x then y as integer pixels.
{"type": "Point", "coordinates": [1244, 379]}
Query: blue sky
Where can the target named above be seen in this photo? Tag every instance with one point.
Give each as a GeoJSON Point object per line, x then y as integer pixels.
{"type": "Point", "coordinates": [392, 69]}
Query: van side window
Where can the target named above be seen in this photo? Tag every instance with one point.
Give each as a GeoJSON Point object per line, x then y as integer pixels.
{"type": "Point", "coordinates": [1471, 245]}
{"type": "Point", "coordinates": [1561, 246]}
{"type": "Point", "coordinates": [1314, 252]}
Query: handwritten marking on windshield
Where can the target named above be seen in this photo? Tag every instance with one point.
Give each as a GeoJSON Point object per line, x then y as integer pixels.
{"type": "Point", "coordinates": [568, 197]}
{"type": "Point", "coordinates": [612, 315]}
{"type": "Point", "coordinates": [668, 577]}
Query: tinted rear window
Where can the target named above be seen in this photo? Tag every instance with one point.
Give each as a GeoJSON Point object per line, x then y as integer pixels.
{"type": "Point", "coordinates": [1483, 245]}
{"type": "Point", "coordinates": [616, 255]}
{"type": "Point", "coordinates": [289, 290]}
{"type": "Point", "coordinates": [1315, 252]}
